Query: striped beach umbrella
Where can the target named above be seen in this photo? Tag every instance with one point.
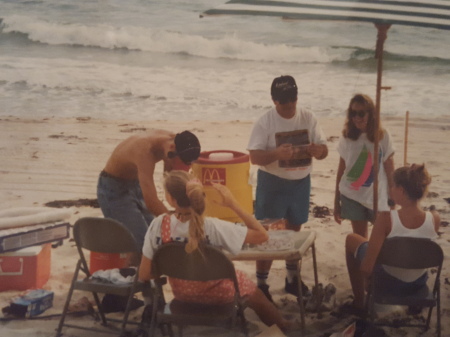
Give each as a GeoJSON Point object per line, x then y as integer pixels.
{"type": "Point", "coordinates": [382, 13]}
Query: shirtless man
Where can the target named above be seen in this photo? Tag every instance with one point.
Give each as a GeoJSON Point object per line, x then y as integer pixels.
{"type": "Point", "coordinates": [126, 189]}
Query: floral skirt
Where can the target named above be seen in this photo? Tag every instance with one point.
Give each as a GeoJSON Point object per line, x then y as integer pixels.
{"type": "Point", "coordinates": [211, 292]}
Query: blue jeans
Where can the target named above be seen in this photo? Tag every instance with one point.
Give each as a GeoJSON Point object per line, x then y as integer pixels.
{"type": "Point", "coordinates": [122, 200]}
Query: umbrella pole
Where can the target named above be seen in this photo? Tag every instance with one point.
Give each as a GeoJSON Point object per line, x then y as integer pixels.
{"type": "Point", "coordinates": [405, 152]}
{"type": "Point", "coordinates": [381, 37]}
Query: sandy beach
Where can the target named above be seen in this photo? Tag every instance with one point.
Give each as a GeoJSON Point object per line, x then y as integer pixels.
{"type": "Point", "coordinates": [57, 159]}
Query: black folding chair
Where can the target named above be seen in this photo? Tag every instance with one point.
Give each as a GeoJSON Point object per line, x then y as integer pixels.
{"type": "Point", "coordinates": [410, 253]}
{"type": "Point", "coordinates": [208, 263]}
{"type": "Point", "coordinates": [101, 235]}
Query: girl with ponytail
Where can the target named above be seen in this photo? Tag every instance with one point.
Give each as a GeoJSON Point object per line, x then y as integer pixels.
{"type": "Point", "coordinates": [188, 224]}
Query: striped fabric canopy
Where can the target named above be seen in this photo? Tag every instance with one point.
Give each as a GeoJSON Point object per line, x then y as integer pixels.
{"type": "Point", "coordinates": [423, 13]}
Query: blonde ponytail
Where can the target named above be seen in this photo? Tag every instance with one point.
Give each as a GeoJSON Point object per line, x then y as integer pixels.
{"type": "Point", "coordinates": [188, 193]}
{"type": "Point", "coordinates": [194, 191]}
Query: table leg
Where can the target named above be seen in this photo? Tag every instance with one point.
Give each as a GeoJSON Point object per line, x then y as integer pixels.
{"type": "Point", "coordinates": [300, 293]}
{"type": "Point", "coordinates": [316, 277]}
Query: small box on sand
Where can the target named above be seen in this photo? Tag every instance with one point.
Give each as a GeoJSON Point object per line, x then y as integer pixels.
{"type": "Point", "coordinates": [31, 304]}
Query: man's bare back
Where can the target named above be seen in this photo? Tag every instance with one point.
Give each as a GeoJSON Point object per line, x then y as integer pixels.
{"type": "Point", "coordinates": [134, 160]}
{"type": "Point", "coordinates": [139, 153]}
{"type": "Point", "coordinates": [126, 190]}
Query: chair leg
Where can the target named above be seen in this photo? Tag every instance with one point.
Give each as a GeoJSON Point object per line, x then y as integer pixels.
{"type": "Point", "coordinates": [234, 319]}
{"type": "Point", "coordinates": [69, 297]}
{"type": "Point", "coordinates": [427, 323]}
{"type": "Point", "coordinates": [169, 329]}
{"type": "Point", "coordinates": [316, 277]}
{"type": "Point", "coordinates": [100, 309]}
{"type": "Point", "coordinates": [154, 318]}
{"type": "Point", "coordinates": [243, 320]}
{"type": "Point", "coordinates": [180, 331]}
{"type": "Point", "coordinates": [371, 305]}
{"type": "Point", "coordinates": [127, 312]}
{"type": "Point", "coordinates": [367, 306]}
{"type": "Point", "coordinates": [64, 313]}
{"type": "Point", "coordinates": [436, 294]}
{"type": "Point", "coordinates": [438, 311]}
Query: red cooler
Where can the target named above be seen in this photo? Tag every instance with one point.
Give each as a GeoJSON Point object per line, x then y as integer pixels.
{"type": "Point", "coordinates": [27, 268]}
{"type": "Point", "coordinates": [104, 261]}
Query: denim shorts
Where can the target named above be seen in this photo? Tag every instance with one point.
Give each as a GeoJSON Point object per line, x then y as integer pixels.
{"type": "Point", "coordinates": [385, 282]}
{"type": "Point", "coordinates": [122, 200]}
{"type": "Point", "coordinates": [353, 210]}
{"type": "Point", "coordinates": [282, 198]}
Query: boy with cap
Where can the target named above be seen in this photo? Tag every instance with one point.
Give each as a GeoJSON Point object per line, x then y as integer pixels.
{"type": "Point", "coordinates": [283, 142]}
{"type": "Point", "coordinates": [126, 189]}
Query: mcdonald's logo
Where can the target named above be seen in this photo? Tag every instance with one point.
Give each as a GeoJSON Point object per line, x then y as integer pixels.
{"type": "Point", "coordinates": [213, 175]}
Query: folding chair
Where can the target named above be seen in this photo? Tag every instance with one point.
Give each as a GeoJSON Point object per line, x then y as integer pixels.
{"type": "Point", "coordinates": [410, 253]}
{"type": "Point", "coordinates": [211, 263]}
{"type": "Point", "coordinates": [105, 236]}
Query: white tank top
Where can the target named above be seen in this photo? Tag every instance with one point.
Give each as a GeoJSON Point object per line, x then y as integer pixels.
{"type": "Point", "coordinates": [426, 230]}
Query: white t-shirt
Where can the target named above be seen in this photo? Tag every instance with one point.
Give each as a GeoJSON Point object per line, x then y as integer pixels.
{"type": "Point", "coordinates": [219, 233]}
{"type": "Point", "coordinates": [357, 181]}
{"type": "Point", "coordinates": [271, 123]}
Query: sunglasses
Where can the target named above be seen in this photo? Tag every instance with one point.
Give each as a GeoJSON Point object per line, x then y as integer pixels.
{"type": "Point", "coordinates": [359, 113]}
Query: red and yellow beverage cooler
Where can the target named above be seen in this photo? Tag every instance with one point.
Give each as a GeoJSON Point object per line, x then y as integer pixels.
{"type": "Point", "coordinates": [229, 168]}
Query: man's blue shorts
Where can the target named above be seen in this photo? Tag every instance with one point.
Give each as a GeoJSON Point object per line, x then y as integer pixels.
{"type": "Point", "coordinates": [122, 200]}
{"type": "Point", "coordinates": [282, 198]}
{"type": "Point", "coordinates": [385, 282]}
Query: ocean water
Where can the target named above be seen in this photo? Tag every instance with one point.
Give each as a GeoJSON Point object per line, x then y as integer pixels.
{"type": "Point", "coordinates": [142, 59]}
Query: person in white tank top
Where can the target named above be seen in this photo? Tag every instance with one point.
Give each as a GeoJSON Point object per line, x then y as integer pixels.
{"type": "Point", "coordinates": [410, 186]}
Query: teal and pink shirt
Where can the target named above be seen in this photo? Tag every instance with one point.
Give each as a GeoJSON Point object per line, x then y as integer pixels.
{"type": "Point", "coordinates": [357, 181]}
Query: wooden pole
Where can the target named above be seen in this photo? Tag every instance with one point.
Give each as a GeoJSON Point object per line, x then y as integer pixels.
{"type": "Point", "coordinates": [405, 148]}
{"type": "Point", "coordinates": [381, 37]}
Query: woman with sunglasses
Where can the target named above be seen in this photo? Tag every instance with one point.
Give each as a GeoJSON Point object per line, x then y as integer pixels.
{"type": "Point", "coordinates": [355, 176]}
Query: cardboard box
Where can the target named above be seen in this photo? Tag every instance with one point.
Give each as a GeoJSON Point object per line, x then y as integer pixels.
{"type": "Point", "coordinates": [31, 304]}
{"type": "Point", "coordinates": [27, 268]}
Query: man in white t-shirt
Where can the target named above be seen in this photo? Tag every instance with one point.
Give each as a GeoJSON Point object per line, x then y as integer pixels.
{"type": "Point", "coordinates": [283, 142]}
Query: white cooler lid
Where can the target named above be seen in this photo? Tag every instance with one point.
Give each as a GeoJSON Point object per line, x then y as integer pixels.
{"type": "Point", "coordinates": [221, 156]}
{"type": "Point", "coordinates": [29, 251]}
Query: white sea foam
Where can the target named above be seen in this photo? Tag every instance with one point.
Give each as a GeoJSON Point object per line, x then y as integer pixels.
{"type": "Point", "coordinates": [145, 60]}
{"type": "Point", "coordinates": [163, 41]}
{"type": "Point", "coordinates": [113, 91]}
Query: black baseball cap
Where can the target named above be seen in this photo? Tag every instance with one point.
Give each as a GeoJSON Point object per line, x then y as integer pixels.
{"type": "Point", "coordinates": [284, 89]}
{"type": "Point", "coordinates": [187, 147]}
